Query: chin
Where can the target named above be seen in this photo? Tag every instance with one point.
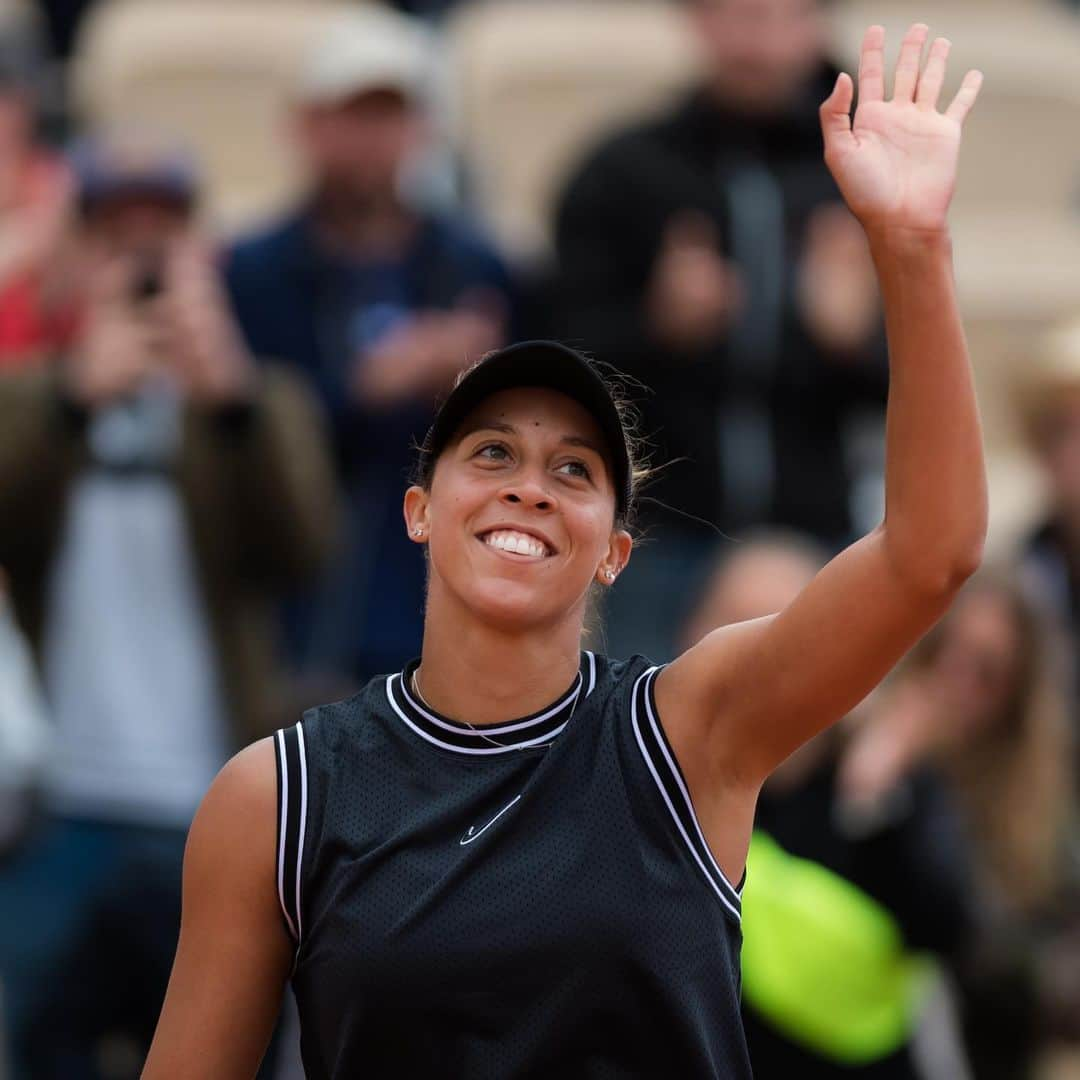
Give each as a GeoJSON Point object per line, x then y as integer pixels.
{"type": "Point", "coordinates": [511, 605]}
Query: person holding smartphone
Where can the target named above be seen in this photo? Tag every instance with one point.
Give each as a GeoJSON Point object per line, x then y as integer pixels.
{"type": "Point", "coordinates": [158, 492]}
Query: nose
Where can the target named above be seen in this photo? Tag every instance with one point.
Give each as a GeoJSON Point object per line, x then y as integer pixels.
{"type": "Point", "coordinates": [527, 491]}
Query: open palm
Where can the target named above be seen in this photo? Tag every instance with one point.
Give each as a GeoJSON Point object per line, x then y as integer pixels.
{"type": "Point", "coordinates": [896, 165]}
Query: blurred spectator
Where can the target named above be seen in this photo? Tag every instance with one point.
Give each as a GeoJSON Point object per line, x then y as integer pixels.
{"type": "Point", "coordinates": [985, 697]}
{"type": "Point", "coordinates": [706, 253]}
{"type": "Point", "coordinates": [1051, 560]}
{"type": "Point", "coordinates": [63, 18]}
{"type": "Point", "coordinates": [36, 312]}
{"type": "Point", "coordinates": [380, 304]}
{"type": "Point", "coordinates": [24, 735]}
{"type": "Point", "coordinates": [428, 9]}
{"type": "Point", "coordinates": [841, 897]}
{"type": "Point", "coordinates": [157, 491]}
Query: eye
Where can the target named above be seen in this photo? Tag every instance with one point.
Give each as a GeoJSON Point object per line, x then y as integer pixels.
{"type": "Point", "coordinates": [493, 452]}
{"type": "Point", "coordinates": [575, 468]}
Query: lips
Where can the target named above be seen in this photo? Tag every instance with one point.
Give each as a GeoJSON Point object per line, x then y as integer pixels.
{"type": "Point", "coordinates": [517, 542]}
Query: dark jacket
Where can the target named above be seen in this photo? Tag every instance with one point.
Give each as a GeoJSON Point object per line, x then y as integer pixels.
{"type": "Point", "coordinates": [286, 293]}
{"type": "Point", "coordinates": [913, 863]}
{"type": "Point", "coordinates": [261, 506]}
{"type": "Point", "coordinates": [1051, 572]}
{"type": "Point", "coordinates": [758, 180]}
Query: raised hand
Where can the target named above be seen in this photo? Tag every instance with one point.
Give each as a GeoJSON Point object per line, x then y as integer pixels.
{"type": "Point", "coordinates": [896, 165]}
{"type": "Point", "coordinates": [205, 347]}
{"type": "Point", "coordinates": [694, 292]}
{"type": "Point", "coordinates": [117, 349]}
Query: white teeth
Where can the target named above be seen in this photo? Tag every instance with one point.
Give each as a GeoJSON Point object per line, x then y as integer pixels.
{"type": "Point", "coordinates": [519, 543]}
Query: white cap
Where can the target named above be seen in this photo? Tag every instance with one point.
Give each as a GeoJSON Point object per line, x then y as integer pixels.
{"type": "Point", "coordinates": [367, 49]}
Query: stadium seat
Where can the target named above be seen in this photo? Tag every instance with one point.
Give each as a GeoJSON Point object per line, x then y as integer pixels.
{"type": "Point", "coordinates": [1037, 36]}
{"type": "Point", "coordinates": [12, 11]}
{"type": "Point", "coordinates": [214, 74]}
{"type": "Point", "coordinates": [21, 28]}
{"type": "Point", "coordinates": [535, 83]}
{"type": "Point", "coordinates": [1017, 149]}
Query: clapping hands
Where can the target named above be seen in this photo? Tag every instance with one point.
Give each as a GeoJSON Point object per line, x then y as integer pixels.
{"type": "Point", "coordinates": [186, 330]}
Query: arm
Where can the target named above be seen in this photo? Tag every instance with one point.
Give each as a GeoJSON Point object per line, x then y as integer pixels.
{"type": "Point", "coordinates": [745, 697]}
{"type": "Point", "coordinates": [837, 308]}
{"type": "Point", "coordinates": [599, 301]}
{"type": "Point", "coordinates": [234, 953]}
{"type": "Point", "coordinates": [41, 445]}
{"type": "Point", "coordinates": [836, 292]}
{"type": "Point", "coordinates": [641, 275]}
{"type": "Point", "coordinates": [268, 450]}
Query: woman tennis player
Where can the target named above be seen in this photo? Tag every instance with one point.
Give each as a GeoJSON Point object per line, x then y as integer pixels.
{"type": "Point", "coordinates": [516, 859]}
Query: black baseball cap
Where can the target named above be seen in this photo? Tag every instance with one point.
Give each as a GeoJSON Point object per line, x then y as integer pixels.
{"type": "Point", "coordinates": [547, 364]}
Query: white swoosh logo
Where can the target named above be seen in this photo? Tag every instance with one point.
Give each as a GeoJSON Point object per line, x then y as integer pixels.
{"type": "Point", "coordinates": [473, 832]}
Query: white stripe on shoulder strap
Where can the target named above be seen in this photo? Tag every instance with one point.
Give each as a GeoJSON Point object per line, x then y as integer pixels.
{"type": "Point", "coordinates": [303, 821]}
{"type": "Point", "coordinates": [283, 824]}
{"type": "Point", "coordinates": [676, 775]}
{"type": "Point", "coordinates": [654, 767]}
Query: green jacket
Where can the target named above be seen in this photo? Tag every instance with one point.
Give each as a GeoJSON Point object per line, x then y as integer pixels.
{"type": "Point", "coordinates": [258, 488]}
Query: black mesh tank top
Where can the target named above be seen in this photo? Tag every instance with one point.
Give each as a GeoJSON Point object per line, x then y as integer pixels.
{"type": "Point", "coordinates": [533, 899]}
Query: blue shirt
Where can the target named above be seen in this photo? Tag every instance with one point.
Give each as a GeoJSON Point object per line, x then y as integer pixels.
{"type": "Point", "coordinates": [299, 304]}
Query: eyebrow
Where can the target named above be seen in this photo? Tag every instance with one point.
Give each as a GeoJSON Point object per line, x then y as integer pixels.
{"type": "Point", "coordinates": [509, 429]}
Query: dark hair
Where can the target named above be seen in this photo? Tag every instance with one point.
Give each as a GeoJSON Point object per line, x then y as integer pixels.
{"type": "Point", "coordinates": [618, 386]}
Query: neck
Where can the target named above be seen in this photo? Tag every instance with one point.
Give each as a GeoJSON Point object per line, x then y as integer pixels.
{"type": "Point", "coordinates": [356, 225]}
{"type": "Point", "coordinates": [484, 674]}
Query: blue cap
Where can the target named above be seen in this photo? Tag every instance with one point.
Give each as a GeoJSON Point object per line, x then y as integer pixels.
{"type": "Point", "coordinates": [132, 165]}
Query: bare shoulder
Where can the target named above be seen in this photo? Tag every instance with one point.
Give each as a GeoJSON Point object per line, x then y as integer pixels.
{"type": "Point", "coordinates": [247, 784]}
{"type": "Point", "coordinates": [235, 830]}
{"type": "Point", "coordinates": [234, 952]}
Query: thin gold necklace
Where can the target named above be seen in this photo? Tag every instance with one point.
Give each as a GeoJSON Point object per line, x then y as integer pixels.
{"type": "Point", "coordinates": [502, 746]}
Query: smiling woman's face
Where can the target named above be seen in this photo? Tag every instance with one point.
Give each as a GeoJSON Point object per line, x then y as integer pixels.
{"type": "Point", "coordinates": [520, 516]}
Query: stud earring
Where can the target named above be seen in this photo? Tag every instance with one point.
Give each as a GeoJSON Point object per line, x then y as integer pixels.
{"type": "Point", "coordinates": [610, 575]}
{"type": "Point", "coordinates": [418, 531]}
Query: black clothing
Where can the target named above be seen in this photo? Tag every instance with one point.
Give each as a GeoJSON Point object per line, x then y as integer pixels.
{"type": "Point", "coordinates": [1050, 572]}
{"type": "Point", "coordinates": [532, 899]}
{"type": "Point", "coordinates": [775, 1058]}
{"type": "Point", "coordinates": [1049, 560]}
{"type": "Point", "coordinates": [755, 422]}
{"type": "Point", "coordinates": [913, 864]}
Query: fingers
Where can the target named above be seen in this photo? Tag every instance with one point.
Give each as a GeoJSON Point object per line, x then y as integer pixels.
{"type": "Point", "coordinates": [872, 66]}
{"type": "Point", "coordinates": [112, 278]}
{"type": "Point", "coordinates": [909, 63]}
{"type": "Point", "coordinates": [933, 78]}
{"type": "Point", "coordinates": [966, 96]}
{"type": "Point", "coordinates": [836, 114]}
{"type": "Point", "coordinates": [910, 86]}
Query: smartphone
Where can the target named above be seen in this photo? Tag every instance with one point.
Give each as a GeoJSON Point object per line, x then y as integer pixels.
{"type": "Point", "coordinates": [148, 284]}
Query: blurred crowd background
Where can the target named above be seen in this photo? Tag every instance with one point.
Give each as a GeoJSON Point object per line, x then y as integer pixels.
{"type": "Point", "coordinates": [245, 245]}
